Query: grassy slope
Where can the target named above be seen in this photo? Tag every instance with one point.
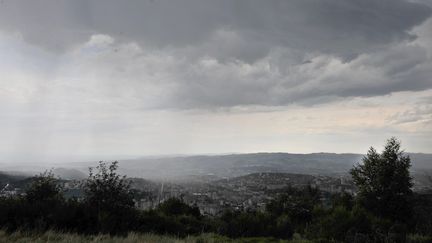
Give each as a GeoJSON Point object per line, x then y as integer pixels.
{"type": "Point", "coordinates": [50, 236]}
{"type": "Point", "coordinates": [20, 237]}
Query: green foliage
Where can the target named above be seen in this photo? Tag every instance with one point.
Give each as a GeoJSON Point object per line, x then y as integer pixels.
{"type": "Point", "coordinates": [297, 204]}
{"type": "Point", "coordinates": [422, 207]}
{"type": "Point", "coordinates": [417, 238]}
{"type": "Point", "coordinates": [173, 217]}
{"type": "Point", "coordinates": [253, 224]}
{"type": "Point", "coordinates": [109, 196]}
{"type": "Point", "coordinates": [291, 211]}
{"type": "Point", "coordinates": [343, 200]}
{"type": "Point", "coordinates": [176, 206]}
{"type": "Point", "coordinates": [107, 190]}
{"type": "Point", "coordinates": [336, 224]}
{"type": "Point", "coordinates": [44, 187]}
{"type": "Point", "coordinates": [384, 182]}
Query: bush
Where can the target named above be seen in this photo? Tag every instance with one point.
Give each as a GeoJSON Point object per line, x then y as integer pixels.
{"type": "Point", "coordinates": [176, 206]}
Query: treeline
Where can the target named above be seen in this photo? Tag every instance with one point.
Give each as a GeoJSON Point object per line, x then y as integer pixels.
{"type": "Point", "coordinates": [384, 210]}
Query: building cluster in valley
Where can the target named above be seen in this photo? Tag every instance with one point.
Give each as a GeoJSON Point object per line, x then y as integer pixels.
{"type": "Point", "coordinates": [9, 190]}
{"type": "Point", "coordinates": [250, 192]}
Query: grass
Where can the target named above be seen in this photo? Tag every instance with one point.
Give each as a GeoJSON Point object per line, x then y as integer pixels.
{"type": "Point", "coordinates": [51, 236]}
{"type": "Point", "coordinates": [415, 238]}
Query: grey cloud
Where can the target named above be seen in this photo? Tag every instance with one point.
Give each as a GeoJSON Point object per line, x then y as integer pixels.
{"type": "Point", "coordinates": [141, 77]}
{"type": "Point", "coordinates": [320, 80]}
{"type": "Point", "coordinates": [191, 54]}
{"type": "Point", "coordinates": [342, 27]}
{"type": "Point", "coordinates": [422, 114]}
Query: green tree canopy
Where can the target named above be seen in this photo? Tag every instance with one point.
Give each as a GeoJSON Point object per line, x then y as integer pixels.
{"type": "Point", "coordinates": [110, 198]}
{"type": "Point", "coordinates": [176, 206]}
{"type": "Point", "coordinates": [384, 182]}
{"type": "Point", "coordinates": [44, 187]}
{"type": "Point", "coordinates": [106, 189]}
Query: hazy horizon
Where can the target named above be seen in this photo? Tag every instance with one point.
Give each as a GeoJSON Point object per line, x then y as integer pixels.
{"type": "Point", "coordinates": [71, 160]}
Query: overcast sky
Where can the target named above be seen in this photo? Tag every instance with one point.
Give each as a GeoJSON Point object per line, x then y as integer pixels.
{"type": "Point", "coordinates": [127, 78]}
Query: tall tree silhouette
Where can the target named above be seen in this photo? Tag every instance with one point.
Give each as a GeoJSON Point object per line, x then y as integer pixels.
{"type": "Point", "coordinates": [384, 182]}
{"type": "Point", "coordinates": [106, 189]}
{"type": "Point", "coordinates": [110, 197]}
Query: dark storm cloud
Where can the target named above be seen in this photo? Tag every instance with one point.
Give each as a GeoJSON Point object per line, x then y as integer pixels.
{"type": "Point", "coordinates": [209, 54]}
{"type": "Point", "coordinates": [341, 27]}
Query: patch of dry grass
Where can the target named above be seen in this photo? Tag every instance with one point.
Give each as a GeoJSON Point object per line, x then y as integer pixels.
{"type": "Point", "coordinates": [51, 236]}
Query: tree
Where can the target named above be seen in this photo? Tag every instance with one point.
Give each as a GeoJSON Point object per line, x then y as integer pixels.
{"type": "Point", "coordinates": [39, 208]}
{"type": "Point", "coordinates": [106, 189]}
{"type": "Point", "coordinates": [384, 182]}
{"type": "Point", "coordinates": [176, 206]}
{"type": "Point", "coordinates": [44, 187]}
{"type": "Point", "coordinates": [298, 204]}
{"type": "Point", "coordinates": [110, 199]}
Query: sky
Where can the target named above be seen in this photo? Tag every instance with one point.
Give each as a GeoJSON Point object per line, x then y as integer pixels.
{"type": "Point", "coordinates": [106, 78]}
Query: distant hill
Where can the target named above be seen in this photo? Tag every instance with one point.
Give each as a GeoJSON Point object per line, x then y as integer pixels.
{"type": "Point", "coordinates": [214, 167]}
{"type": "Point", "coordinates": [69, 174]}
{"type": "Point", "coordinates": [15, 179]}
{"type": "Point", "coordinates": [226, 166]}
